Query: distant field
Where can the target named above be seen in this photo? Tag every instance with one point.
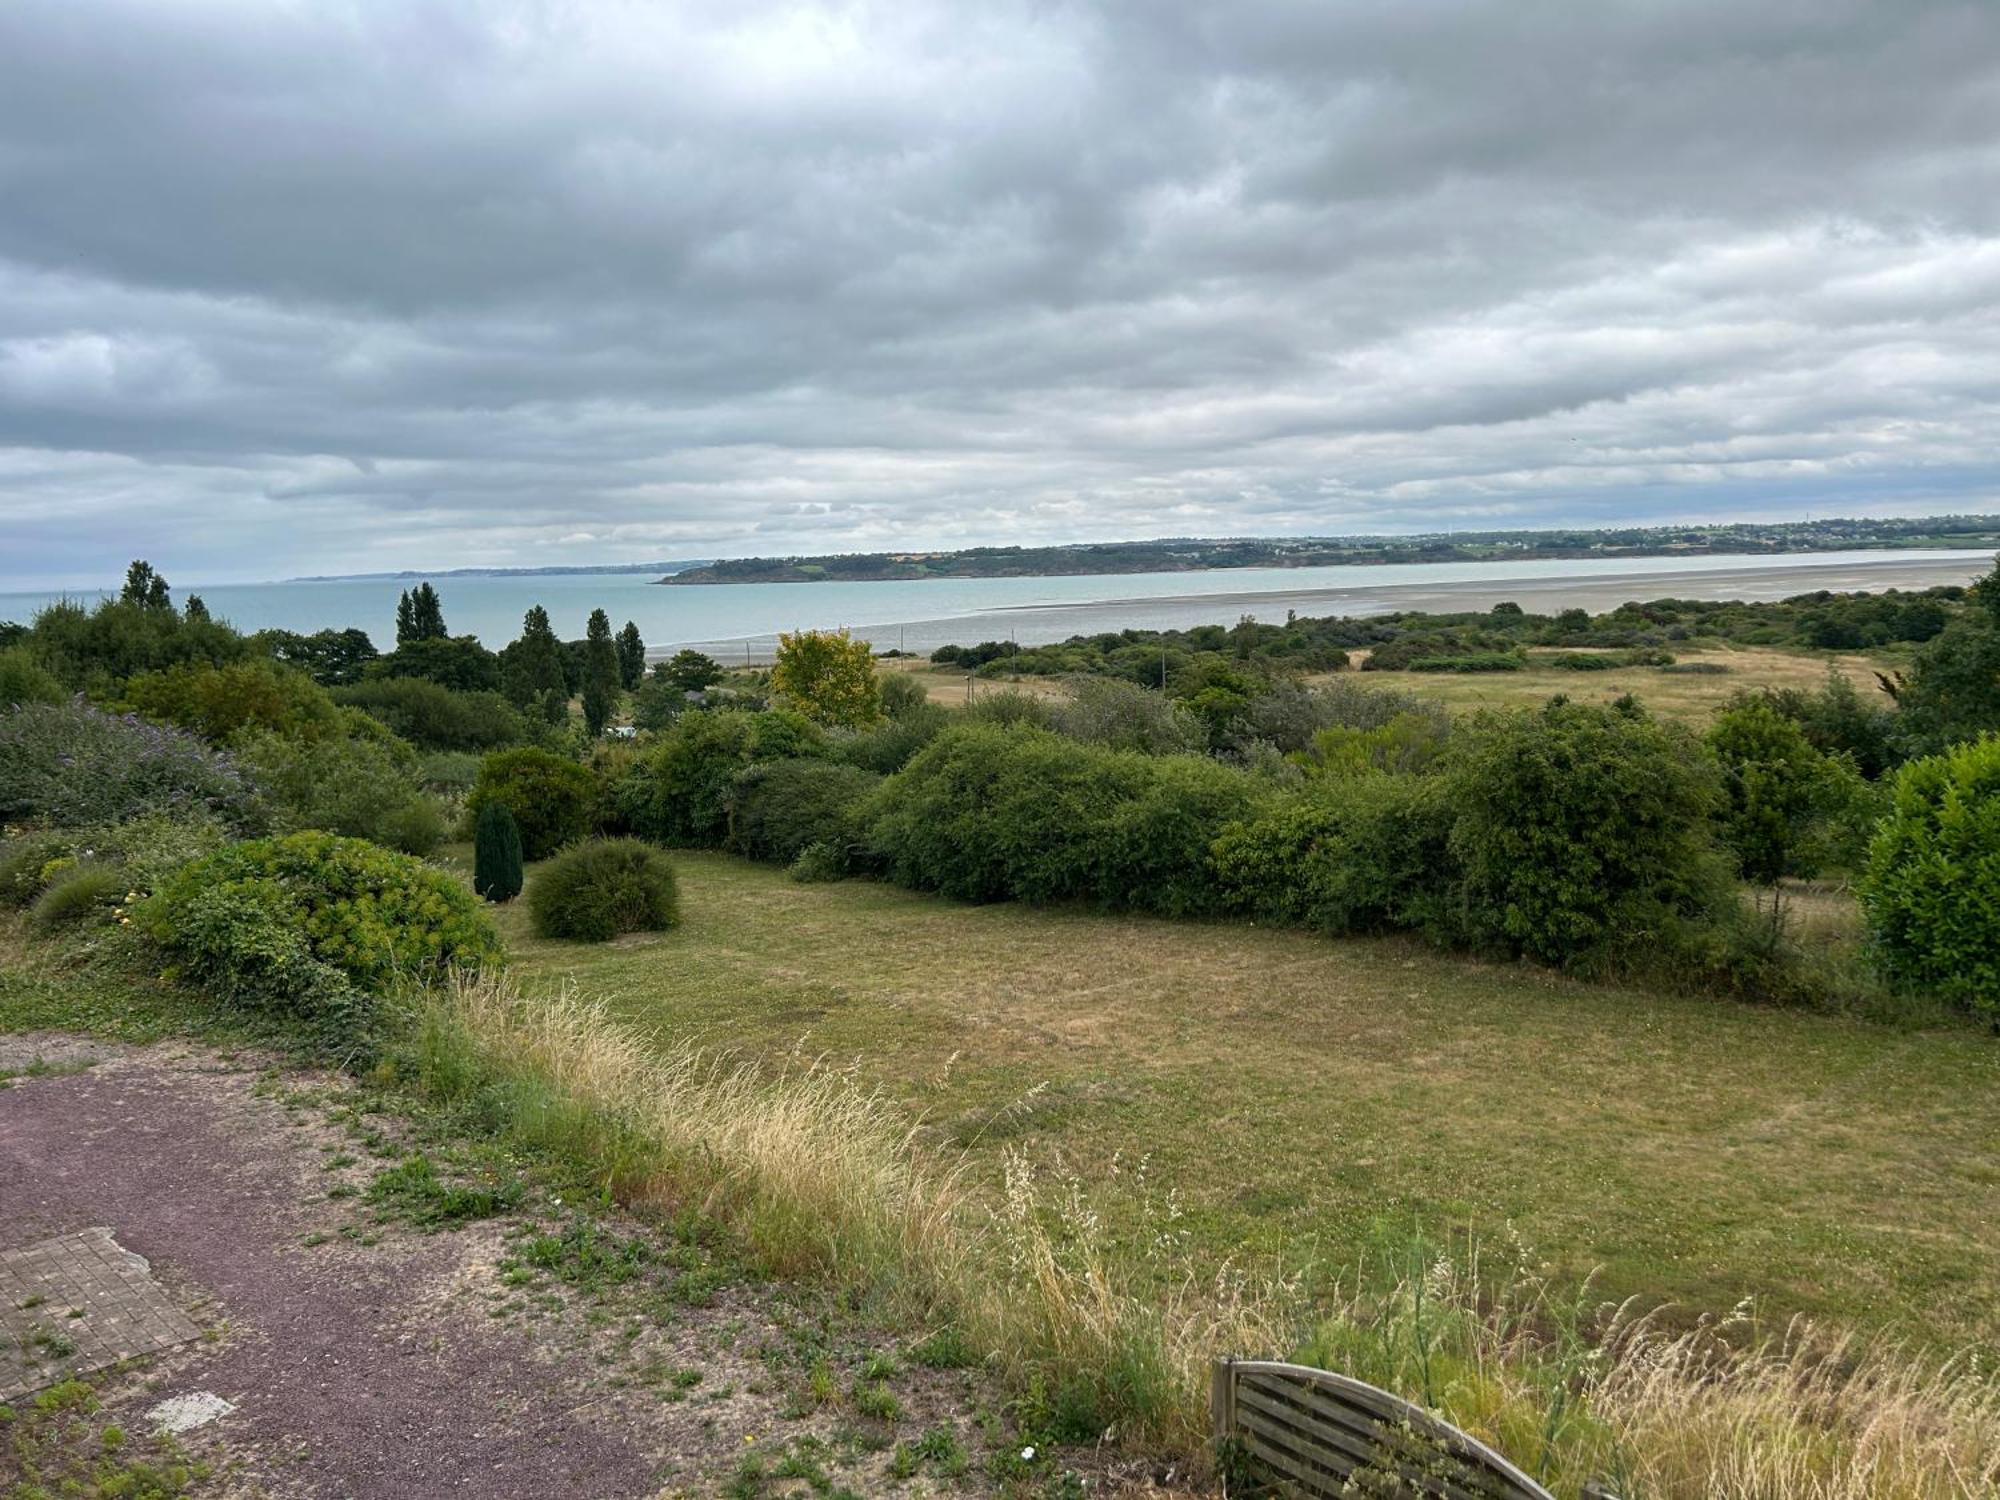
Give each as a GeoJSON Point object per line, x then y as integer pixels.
{"type": "Point", "coordinates": [1307, 1098]}
{"type": "Point", "coordinates": [1689, 695]}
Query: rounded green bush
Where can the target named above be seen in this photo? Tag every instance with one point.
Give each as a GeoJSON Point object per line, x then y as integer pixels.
{"type": "Point", "coordinates": [374, 915]}
{"type": "Point", "coordinates": [1932, 891]}
{"type": "Point", "coordinates": [551, 798]}
{"type": "Point", "coordinates": [593, 891]}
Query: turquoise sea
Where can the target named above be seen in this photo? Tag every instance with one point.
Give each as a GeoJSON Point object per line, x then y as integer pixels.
{"type": "Point", "coordinates": [920, 616]}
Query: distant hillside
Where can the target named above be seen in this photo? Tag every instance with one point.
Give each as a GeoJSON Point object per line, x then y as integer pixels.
{"type": "Point", "coordinates": [1184, 554]}
{"type": "Point", "coordinates": [644, 567]}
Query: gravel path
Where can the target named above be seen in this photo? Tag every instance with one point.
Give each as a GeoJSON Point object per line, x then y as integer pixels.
{"type": "Point", "coordinates": [353, 1373]}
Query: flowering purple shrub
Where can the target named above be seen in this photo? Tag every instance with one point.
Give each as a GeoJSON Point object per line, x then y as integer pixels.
{"type": "Point", "coordinates": [68, 765]}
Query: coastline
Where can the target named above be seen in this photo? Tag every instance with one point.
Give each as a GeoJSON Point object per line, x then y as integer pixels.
{"type": "Point", "coordinates": [1045, 623]}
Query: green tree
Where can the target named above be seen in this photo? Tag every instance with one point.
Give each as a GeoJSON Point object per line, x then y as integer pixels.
{"type": "Point", "coordinates": [1782, 793]}
{"type": "Point", "coordinates": [532, 665]}
{"type": "Point", "coordinates": [829, 677]}
{"type": "Point", "coordinates": [690, 671]}
{"type": "Point", "coordinates": [496, 854]}
{"type": "Point", "coordinates": [600, 673]}
{"type": "Point", "coordinates": [144, 587]}
{"type": "Point", "coordinates": [458, 662]}
{"type": "Point", "coordinates": [196, 608]}
{"type": "Point", "coordinates": [631, 656]}
{"type": "Point", "coordinates": [419, 615]}
{"type": "Point", "coordinates": [1952, 692]}
{"type": "Point", "coordinates": [332, 658]}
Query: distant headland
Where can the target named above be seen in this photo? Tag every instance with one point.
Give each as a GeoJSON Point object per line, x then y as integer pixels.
{"type": "Point", "coordinates": [1193, 554]}
{"type": "Point", "coordinates": [416, 573]}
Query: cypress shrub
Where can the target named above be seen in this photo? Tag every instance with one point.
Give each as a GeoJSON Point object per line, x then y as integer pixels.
{"type": "Point", "coordinates": [496, 854]}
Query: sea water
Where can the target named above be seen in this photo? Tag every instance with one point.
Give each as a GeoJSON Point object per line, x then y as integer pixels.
{"type": "Point", "coordinates": [919, 616]}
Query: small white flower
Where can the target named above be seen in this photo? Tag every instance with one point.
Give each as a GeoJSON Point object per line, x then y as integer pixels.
{"type": "Point", "coordinates": [1028, 1455]}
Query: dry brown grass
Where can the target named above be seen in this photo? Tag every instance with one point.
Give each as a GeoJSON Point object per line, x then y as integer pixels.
{"type": "Point", "coordinates": [823, 1178]}
{"type": "Point", "coordinates": [1695, 697]}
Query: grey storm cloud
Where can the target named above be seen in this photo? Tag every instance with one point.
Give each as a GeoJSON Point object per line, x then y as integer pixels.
{"type": "Point", "coordinates": [298, 286]}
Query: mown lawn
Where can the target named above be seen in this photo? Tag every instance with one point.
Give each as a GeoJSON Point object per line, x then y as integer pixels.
{"type": "Point", "coordinates": [1306, 1099]}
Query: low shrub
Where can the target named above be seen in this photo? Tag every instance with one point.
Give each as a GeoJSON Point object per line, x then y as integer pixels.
{"type": "Point", "coordinates": [79, 892]}
{"type": "Point", "coordinates": [989, 813]}
{"type": "Point", "coordinates": [902, 694]}
{"type": "Point", "coordinates": [359, 788]}
{"type": "Point", "coordinates": [450, 772]}
{"type": "Point", "coordinates": [784, 806]}
{"type": "Point", "coordinates": [221, 702]}
{"type": "Point", "coordinates": [1125, 716]}
{"type": "Point", "coordinates": [23, 680]}
{"type": "Point", "coordinates": [417, 827]}
{"type": "Point", "coordinates": [71, 766]}
{"type": "Point", "coordinates": [433, 717]}
{"type": "Point", "coordinates": [1360, 855]}
{"type": "Point", "coordinates": [1477, 661]}
{"type": "Point", "coordinates": [593, 891]}
{"type": "Point", "coordinates": [376, 916]}
{"type": "Point", "coordinates": [28, 862]}
{"type": "Point", "coordinates": [888, 747]}
{"type": "Point", "coordinates": [686, 792]}
{"type": "Point", "coordinates": [552, 799]}
{"type": "Point", "coordinates": [1290, 716]}
{"type": "Point", "coordinates": [1932, 889]}
{"type": "Point", "coordinates": [1582, 831]}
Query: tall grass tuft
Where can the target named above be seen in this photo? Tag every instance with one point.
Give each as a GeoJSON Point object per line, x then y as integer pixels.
{"type": "Point", "coordinates": [821, 1178]}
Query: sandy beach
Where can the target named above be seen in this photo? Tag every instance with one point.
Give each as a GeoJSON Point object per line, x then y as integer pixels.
{"type": "Point", "coordinates": [1035, 624]}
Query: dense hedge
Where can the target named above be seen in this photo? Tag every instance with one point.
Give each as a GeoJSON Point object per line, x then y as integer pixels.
{"type": "Point", "coordinates": [433, 717]}
{"type": "Point", "coordinates": [686, 792]}
{"type": "Point", "coordinates": [784, 807]}
{"type": "Point", "coordinates": [1932, 892]}
{"type": "Point", "coordinates": [294, 922]}
{"type": "Point", "coordinates": [988, 813]}
{"type": "Point", "coordinates": [595, 890]}
{"type": "Point", "coordinates": [1581, 829]}
{"type": "Point", "coordinates": [1365, 854]}
{"type": "Point", "coordinates": [552, 799]}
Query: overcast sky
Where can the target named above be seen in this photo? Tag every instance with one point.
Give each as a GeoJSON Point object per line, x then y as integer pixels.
{"type": "Point", "coordinates": [314, 286]}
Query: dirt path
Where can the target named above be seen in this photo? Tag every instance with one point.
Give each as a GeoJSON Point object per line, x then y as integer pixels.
{"type": "Point", "coordinates": [361, 1364]}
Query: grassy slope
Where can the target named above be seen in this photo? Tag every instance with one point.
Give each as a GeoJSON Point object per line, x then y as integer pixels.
{"type": "Point", "coordinates": [1305, 1097]}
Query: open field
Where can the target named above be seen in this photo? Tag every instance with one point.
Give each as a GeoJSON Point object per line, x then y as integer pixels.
{"type": "Point", "coordinates": [1694, 696]}
{"type": "Point", "coordinates": [1306, 1100]}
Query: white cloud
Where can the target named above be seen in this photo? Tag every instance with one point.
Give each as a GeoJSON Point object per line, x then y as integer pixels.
{"type": "Point", "coordinates": [294, 288]}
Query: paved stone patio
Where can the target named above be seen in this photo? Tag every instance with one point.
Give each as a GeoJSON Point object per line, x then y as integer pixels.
{"type": "Point", "coordinates": [77, 1303]}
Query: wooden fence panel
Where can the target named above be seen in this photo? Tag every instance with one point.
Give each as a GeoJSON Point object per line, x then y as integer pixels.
{"type": "Point", "coordinates": [1312, 1433]}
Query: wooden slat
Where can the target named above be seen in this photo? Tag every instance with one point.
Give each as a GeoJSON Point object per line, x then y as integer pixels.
{"type": "Point", "coordinates": [1323, 1404]}
{"type": "Point", "coordinates": [1343, 1461]}
{"type": "Point", "coordinates": [1314, 1428]}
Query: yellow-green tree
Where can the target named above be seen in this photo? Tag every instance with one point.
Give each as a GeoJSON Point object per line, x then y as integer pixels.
{"type": "Point", "coordinates": [828, 677]}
